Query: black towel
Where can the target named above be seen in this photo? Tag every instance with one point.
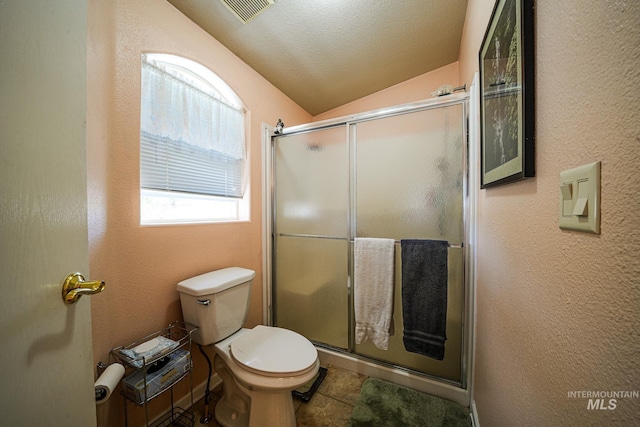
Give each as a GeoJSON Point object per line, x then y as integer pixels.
{"type": "Point", "coordinates": [424, 296]}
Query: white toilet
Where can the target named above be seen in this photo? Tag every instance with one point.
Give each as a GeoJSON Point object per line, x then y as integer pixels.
{"type": "Point", "coordinates": [259, 367]}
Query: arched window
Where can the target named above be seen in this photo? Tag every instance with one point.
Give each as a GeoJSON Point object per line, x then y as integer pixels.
{"type": "Point", "coordinates": [192, 144]}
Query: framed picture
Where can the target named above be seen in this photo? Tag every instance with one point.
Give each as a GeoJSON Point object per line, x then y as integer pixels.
{"type": "Point", "coordinates": [507, 127]}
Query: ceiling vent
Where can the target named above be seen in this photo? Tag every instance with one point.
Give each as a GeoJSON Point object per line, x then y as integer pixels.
{"type": "Point", "coordinates": [246, 10]}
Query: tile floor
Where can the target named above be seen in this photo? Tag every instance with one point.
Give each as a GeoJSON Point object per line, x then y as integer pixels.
{"type": "Point", "coordinates": [330, 406]}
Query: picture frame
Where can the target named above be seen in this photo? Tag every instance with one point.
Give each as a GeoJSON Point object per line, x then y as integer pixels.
{"type": "Point", "coordinates": [507, 95]}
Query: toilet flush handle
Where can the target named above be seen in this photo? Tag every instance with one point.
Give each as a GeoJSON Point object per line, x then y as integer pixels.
{"type": "Point", "coordinates": [204, 301]}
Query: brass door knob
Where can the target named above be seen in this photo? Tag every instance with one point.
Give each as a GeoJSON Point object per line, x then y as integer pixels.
{"type": "Point", "coordinates": [75, 286]}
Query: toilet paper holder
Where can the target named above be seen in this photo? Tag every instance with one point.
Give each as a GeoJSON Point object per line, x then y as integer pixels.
{"type": "Point", "coordinates": [107, 381]}
{"type": "Point", "coordinates": [100, 367]}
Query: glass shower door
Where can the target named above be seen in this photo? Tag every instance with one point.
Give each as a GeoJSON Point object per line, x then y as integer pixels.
{"type": "Point", "coordinates": [311, 237]}
{"type": "Point", "coordinates": [398, 176]}
{"type": "Point", "coordinates": [409, 175]}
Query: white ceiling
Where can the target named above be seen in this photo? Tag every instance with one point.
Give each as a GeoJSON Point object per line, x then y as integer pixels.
{"type": "Point", "coordinates": [326, 53]}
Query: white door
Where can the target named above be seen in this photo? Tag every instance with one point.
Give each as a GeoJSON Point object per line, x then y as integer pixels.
{"type": "Point", "coordinates": [46, 362]}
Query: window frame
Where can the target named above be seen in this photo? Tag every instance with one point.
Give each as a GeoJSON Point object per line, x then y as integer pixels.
{"type": "Point", "coordinates": [204, 208]}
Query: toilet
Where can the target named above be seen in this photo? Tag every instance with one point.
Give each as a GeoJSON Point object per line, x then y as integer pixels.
{"type": "Point", "coordinates": [259, 367]}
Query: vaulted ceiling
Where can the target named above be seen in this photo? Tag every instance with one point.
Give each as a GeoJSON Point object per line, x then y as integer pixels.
{"type": "Point", "coordinates": [326, 53]}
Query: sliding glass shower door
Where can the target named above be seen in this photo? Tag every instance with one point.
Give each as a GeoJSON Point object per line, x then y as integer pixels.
{"type": "Point", "coordinates": [397, 176]}
{"type": "Point", "coordinates": [409, 183]}
{"type": "Point", "coordinates": [311, 235]}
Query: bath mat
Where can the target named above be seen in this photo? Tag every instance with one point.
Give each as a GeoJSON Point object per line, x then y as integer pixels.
{"type": "Point", "coordinates": [382, 403]}
{"type": "Point", "coordinates": [306, 391]}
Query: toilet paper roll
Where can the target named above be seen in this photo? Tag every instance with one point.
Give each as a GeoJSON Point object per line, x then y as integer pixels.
{"type": "Point", "coordinates": [108, 381]}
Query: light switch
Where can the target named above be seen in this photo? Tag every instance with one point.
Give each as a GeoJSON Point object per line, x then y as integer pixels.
{"type": "Point", "coordinates": [567, 198]}
{"type": "Point", "coordinates": [580, 198]}
{"type": "Point", "coordinates": [582, 203]}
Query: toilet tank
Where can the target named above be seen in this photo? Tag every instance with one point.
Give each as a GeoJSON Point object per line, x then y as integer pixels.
{"type": "Point", "coordinates": [216, 302]}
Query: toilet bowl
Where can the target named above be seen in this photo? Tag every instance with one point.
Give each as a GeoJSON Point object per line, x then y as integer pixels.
{"type": "Point", "coordinates": [259, 367]}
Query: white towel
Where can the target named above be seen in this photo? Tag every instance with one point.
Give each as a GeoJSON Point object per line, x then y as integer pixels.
{"type": "Point", "coordinates": [373, 290]}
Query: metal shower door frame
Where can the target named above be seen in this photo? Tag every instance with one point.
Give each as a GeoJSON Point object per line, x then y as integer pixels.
{"type": "Point", "coordinates": [350, 123]}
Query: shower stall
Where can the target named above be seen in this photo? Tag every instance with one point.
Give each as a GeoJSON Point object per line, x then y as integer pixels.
{"type": "Point", "coordinates": [397, 173]}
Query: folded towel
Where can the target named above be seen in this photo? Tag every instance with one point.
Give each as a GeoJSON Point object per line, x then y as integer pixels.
{"type": "Point", "coordinates": [424, 296]}
{"type": "Point", "coordinates": [373, 290]}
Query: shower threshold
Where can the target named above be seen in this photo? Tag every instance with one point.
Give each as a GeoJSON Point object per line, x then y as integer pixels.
{"type": "Point", "coordinates": [416, 380]}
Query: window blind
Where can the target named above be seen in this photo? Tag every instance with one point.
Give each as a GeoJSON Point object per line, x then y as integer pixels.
{"type": "Point", "coordinates": [190, 140]}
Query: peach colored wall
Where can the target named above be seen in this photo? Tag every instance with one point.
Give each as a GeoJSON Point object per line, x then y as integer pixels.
{"type": "Point", "coordinates": [475, 25]}
{"type": "Point", "coordinates": [415, 89]}
{"type": "Point", "coordinates": [545, 326]}
{"type": "Point", "coordinates": [141, 265]}
{"type": "Point", "coordinates": [559, 311]}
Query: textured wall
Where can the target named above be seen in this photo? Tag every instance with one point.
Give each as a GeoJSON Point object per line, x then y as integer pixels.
{"type": "Point", "coordinates": [415, 89]}
{"type": "Point", "coordinates": [141, 265]}
{"type": "Point", "coordinates": [559, 311]}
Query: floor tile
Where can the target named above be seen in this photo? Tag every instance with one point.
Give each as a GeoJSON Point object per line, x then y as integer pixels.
{"type": "Point", "coordinates": [342, 385]}
{"type": "Point", "coordinates": [323, 411]}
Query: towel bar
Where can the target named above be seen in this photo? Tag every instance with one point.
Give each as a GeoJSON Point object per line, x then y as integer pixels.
{"type": "Point", "coordinates": [313, 236]}
{"type": "Point", "coordinates": [451, 245]}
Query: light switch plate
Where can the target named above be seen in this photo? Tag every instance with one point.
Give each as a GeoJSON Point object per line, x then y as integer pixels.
{"type": "Point", "coordinates": [580, 198]}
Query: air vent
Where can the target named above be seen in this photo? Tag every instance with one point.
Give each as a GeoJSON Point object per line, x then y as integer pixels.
{"type": "Point", "coordinates": [246, 10]}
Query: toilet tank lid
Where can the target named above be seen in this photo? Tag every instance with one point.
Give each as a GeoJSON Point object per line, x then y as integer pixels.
{"type": "Point", "coordinates": [215, 281]}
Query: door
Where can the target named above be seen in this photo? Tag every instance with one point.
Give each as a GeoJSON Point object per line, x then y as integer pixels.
{"type": "Point", "coordinates": [397, 176]}
{"type": "Point", "coordinates": [311, 235]}
{"type": "Point", "coordinates": [46, 361]}
{"type": "Point", "coordinates": [409, 184]}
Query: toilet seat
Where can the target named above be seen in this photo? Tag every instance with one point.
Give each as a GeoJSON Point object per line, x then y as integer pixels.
{"type": "Point", "coordinates": [273, 352]}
